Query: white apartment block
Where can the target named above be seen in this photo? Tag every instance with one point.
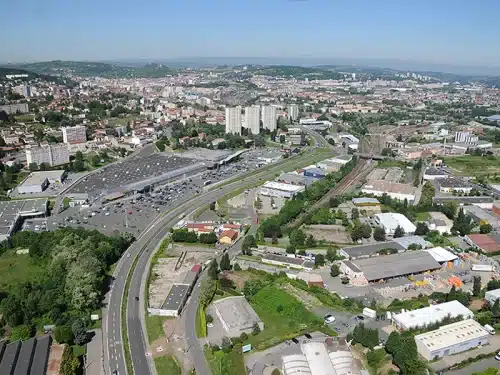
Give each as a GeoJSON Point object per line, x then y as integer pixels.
{"type": "Point", "coordinates": [269, 117]}
{"type": "Point", "coordinates": [293, 111]}
{"type": "Point", "coordinates": [233, 120]}
{"type": "Point", "coordinates": [56, 154]}
{"type": "Point", "coordinates": [252, 119]}
{"type": "Point", "coordinates": [74, 134]}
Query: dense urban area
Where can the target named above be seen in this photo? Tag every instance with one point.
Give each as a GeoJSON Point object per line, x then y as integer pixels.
{"type": "Point", "coordinates": [250, 219]}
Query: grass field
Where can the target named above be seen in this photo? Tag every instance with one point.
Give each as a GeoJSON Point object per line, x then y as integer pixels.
{"type": "Point", "coordinates": [167, 365]}
{"type": "Point", "coordinates": [154, 326]}
{"type": "Point", "coordinates": [473, 165]}
{"type": "Point", "coordinates": [201, 322]}
{"type": "Point", "coordinates": [284, 317]}
{"type": "Point", "coordinates": [422, 216]}
{"type": "Point", "coordinates": [16, 269]}
{"type": "Point", "coordinates": [226, 363]}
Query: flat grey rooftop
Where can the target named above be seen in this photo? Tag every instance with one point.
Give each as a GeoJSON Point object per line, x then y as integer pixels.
{"type": "Point", "coordinates": [388, 266]}
{"type": "Point", "coordinates": [9, 358]}
{"type": "Point", "coordinates": [25, 357]}
{"type": "Point", "coordinates": [175, 297]}
{"type": "Point", "coordinates": [283, 259]}
{"type": "Point", "coordinates": [236, 313]}
{"type": "Point", "coordinates": [41, 356]}
{"type": "Point", "coordinates": [368, 250]}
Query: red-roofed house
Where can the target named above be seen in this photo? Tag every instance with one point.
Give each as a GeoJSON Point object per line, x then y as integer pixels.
{"type": "Point", "coordinates": [228, 237]}
{"type": "Point", "coordinates": [232, 226]}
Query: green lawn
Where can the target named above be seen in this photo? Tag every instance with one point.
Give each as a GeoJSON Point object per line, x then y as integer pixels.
{"type": "Point", "coordinates": [422, 216]}
{"type": "Point", "coordinates": [473, 165]}
{"type": "Point", "coordinates": [78, 350]}
{"type": "Point", "coordinates": [201, 322]}
{"type": "Point", "coordinates": [284, 317]}
{"type": "Point", "coordinates": [16, 269]}
{"type": "Point", "coordinates": [167, 365]}
{"type": "Point", "coordinates": [226, 363]}
{"type": "Point", "coordinates": [154, 326]}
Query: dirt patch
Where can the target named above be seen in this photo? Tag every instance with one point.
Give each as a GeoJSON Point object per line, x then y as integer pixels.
{"type": "Point", "coordinates": [240, 277]}
{"type": "Point", "coordinates": [55, 358]}
{"type": "Point", "coordinates": [308, 300]}
{"type": "Point", "coordinates": [476, 305]}
{"type": "Point", "coordinates": [330, 233]}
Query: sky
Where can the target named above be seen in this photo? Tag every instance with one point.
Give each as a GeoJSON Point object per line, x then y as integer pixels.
{"type": "Point", "coordinates": [458, 32]}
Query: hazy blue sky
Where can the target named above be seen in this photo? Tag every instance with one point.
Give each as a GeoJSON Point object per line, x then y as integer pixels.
{"type": "Point", "coordinates": [447, 31]}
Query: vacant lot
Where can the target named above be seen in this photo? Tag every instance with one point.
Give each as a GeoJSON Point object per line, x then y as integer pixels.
{"type": "Point", "coordinates": [330, 233]}
{"type": "Point", "coordinates": [283, 316]}
{"type": "Point", "coordinates": [16, 269]}
{"type": "Point", "coordinates": [167, 365]}
{"type": "Point", "coordinates": [225, 363]}
{"type": "Point", "coordinates": [474, 165]}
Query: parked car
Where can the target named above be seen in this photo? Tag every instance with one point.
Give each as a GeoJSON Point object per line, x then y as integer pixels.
{"type": "Point", "coordinates": [329, 319]}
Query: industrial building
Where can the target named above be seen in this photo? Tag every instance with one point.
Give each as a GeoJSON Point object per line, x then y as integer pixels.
{"type": "Point", "coordinates": [288, 261]}
{"type": "Point", "coordinates": [316, 359]}
{"type": "Point", "coordinates": [29, 357]}
{"type": "Point", "coordinates": [178, 294]}
{"type": "Point", "coordinates": [491, 296]}
{"type": "Point", "coordinates": [481, 216]}
{"type": "Point", "coordinates": [37, 182]}
{"type": "Point", "coordinates": [334, 164]}
{"type": "Point", "coordinates": [443, 256]}
{"type": "Point", "coordinates": [13, 212]}
{"type": "Point", "coordinates": [294, 179]}
{"type": "Point", "coordinates": [433, 173]}
{"type": "Point", "coordinates": [439, 222]}
{"type": "Point", "coordinates": [450, 185]}
{"type": "Point", "coordinates": [74, 134]}
{"type": "Point", "coordinates": [451, 339]}
{"type": "Point", "coordinates": [314, 172]}
{"type": "Point", "coordinates": [430, 315]}
{"type": "Point", "coordinates": [55, 154]}
{"type": "Point", "coordinates": [363, 271]}
{"type": "Point", "coordinates": [487, 243]}
{"type": "Point", "coordinates": [236, 315]}
{"type": "Point", "coordinates": [390, 221]}
{"type": "Point", "coordinates": [366, 251]}
{"type": "Point", "coordinates": [278, 189]}
{"type": "Point", "coordinates": [392, 189]}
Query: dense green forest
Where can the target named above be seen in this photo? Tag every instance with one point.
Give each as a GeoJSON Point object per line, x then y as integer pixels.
{"type": "Point", "coordinates": [66, 276]}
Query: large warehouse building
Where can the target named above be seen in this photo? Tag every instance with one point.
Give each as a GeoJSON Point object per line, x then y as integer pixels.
{"type": "Point", "coordinates": [37, 182]}
{"type": "Point", "coordinates": [364, 271]}
{"type": "Point", "coordinates": [236, 315]}
{"type": "Point", "coordinates": [13, 212]}
{"type": "Point", "coordinates": [492, 295]}
{"type": "Point", "coordinates": [430, 315]}
{"type": "Point", "coordinates": [451, 339]}
{"type": "Point", "coordinates": [278, 189]}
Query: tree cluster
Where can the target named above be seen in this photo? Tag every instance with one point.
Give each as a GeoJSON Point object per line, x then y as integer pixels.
{"type": "Point", "coordinates": [365, 336]}
{"type": "Point", "coordinates": [404, 353]}
{"type": "Point", "coordinates": [184, 235]}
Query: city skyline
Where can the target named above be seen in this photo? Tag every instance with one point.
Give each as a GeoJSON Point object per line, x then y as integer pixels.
{"type": "Point", "coordinates": [458, 33]}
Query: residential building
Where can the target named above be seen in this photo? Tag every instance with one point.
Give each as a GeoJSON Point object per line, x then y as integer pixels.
{"type": "Point", "coordinates": [12, 109]}
{"type": "Point", "coordinates": [228, 237]}
{"type": "Point", "coordinates": [55, 154]}
{"type": "Point", "coordinates": [233, 120]}
{"type": "Point", "coordinates": [269, 117]}
{"type": "Point", "coordinates": [23, 90]}
{"type": "Point", "coordinates": [293, 112]}
{"type": "Point", "coordinates": [430, 315]}
{"type": "Point", "coordinates": [252, 119]}
{"type": "Point", "coordinates": [74, 134]}
{"type": "Point", "coordinates": [451, 339]}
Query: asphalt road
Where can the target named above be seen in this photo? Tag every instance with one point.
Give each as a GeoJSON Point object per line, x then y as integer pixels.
{"type": "Point", "coordinates": [114, 352]}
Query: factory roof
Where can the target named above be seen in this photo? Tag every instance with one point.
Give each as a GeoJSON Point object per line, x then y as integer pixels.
{"type": "Point", "coordinates": [35, 178]}
{"type": "Point", "coordinates": [406, 241]}
{"type": "Point", "coordinates": [236, 313]}
{"type": "Point", "coordinates": [391, 221]}
{"type": "Point", "coordinates": [25, 357]}
{"type": "Point", "coordinates": [432, 171]}
{"type": "Point", "coordinates": [432, 314]}
{"type": "Point", "coordinates": [296, 364]}
{"type": "Point", "coordinates": [283, 187]}
{"type": "Point", "coordinates": [318, 358]}
{"type": "Point", "coordinates": [367, 250]}
{"type": "Point", "coordinates": [454, 183]}
{"type": "Point", "coordinates": [470, 200]}
{"type": "Point", "coordinates": [441, 255]}
{"type": "Point", "coordinates": [41, 355]}
{"type": "Point", "coordinates": [481, 214]}
{"type": "Point", "coordinates": [387, 266]}
{"type": "Point", "coordinates": [9, 358]}
{"type": "Point", "coordinates": [489, 243]}
{"type": "Point", "coordinates": [367, 201]}
{"type": "Point", "coordinates": [176, 297]}
{"type": "Point", "coordinates": [452, 334]}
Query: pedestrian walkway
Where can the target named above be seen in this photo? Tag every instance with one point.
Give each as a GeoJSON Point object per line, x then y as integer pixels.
{"type": "Point", "coordinates": [94, 364]}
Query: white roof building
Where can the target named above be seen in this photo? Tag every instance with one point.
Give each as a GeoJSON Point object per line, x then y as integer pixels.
{"type": "Point", "coordinates": [451, 339]}
{"type": "Point", "coordinates": [441, 255]}
{"type": "Point", "coordinates": [318, 358]}
{"type": "Point", "coordinates": [492, 295]}
{"type": "Point", "coordinates": [430, 315]}
{"type": "Point", "coordinates": [296, 364]}
{"type": "Point", "coordinates": [279, 189]}
{"type": "Point", "coordinates": [390, 221]}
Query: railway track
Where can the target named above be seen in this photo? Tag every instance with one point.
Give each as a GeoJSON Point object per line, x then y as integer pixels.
{"type": "Point", "coordinates": [361, 170]}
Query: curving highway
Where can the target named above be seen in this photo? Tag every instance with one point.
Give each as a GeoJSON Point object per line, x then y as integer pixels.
{"type": "Point", "coordinates": [141, 252]}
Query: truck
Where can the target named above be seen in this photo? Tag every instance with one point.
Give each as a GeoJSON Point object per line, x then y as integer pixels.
{"type": "Point", "coordinates": [490, 329]}
{"type": "Point", "coordinates": [370, 313]}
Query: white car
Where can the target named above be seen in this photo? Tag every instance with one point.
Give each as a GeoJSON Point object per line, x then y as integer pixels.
{"type": "Point", "coordinates": [497, 357]}
{"type": "Point", "coordinates": [329, 319]}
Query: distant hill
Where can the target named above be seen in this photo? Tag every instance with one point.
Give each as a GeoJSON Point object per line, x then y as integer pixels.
{"type": "Point", "coordinates": [8, 70]}
{"type": "Point", "coordinates": [97, 69]}
{"type": "Point", "coordinates": [299, 72]}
